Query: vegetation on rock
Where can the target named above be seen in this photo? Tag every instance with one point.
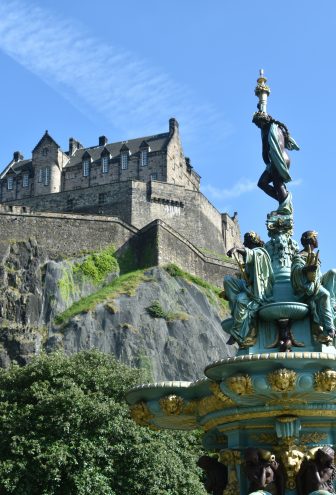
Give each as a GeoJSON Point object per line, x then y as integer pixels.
{"type": "Point", "coordinates": [211, 291]}
{"type": "Point", "coordinates": [96, 266]}
{"type": "Point", "coordinates": [156, 311]}
{"type": "Point", "coordinates": [65, 429]}
{"type": "Point", "coordinates": [125, 284]}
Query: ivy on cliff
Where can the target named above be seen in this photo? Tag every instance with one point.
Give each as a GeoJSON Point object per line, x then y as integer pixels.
{"type": "Point", "coordinates": [65, 429]}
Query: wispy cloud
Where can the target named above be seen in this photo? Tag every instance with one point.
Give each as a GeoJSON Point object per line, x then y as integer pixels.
{"type": "Point", "coordinates": [243, 186]}
{"type": "Point", "coordinates": [130, 93]}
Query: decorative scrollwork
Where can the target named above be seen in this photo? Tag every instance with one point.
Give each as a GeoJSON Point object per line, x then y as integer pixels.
{"type": "Point", "coordinates": [216, 390]}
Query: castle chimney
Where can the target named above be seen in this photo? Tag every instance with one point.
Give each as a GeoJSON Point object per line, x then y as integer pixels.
{"type": "Point", "coordinates": [103, 140]}
{"type": "Point", "coordinates": [173, 125]}
{"type": "Point", "coordinates": [74, 145]}
{"type": "Point", "coordinates": [188, 163]}
{"type": "Point", "coordinates": [17, 156]}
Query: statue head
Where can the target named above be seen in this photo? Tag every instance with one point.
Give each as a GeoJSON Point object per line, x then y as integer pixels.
{"type": "Point", "coordinates": [309, 238]}
{"type": "Point", "coordinates": [252, 240]}
{"type": "Point", "coordinates": [262, 119]}
{"type": "Point", "coordinates": [325, 455]}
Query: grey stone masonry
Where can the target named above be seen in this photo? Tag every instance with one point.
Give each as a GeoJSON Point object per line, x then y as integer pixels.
{"type": "Point", "coordinates": [137, 181]}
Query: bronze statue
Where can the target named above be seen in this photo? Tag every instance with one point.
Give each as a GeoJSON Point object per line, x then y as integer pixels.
{"type": "Point", "coordinates": [275, 140]}
{"type": "Point", "coordinates": [263, 470]}
{"type": "Point", "coordinates": [317, 473]}
{"type": "Point", "coordinates": [317, 290]}
{"type": "Point", "coordinates": [216, 474]}
{"type": "Point", "coordinates": [245, 295]}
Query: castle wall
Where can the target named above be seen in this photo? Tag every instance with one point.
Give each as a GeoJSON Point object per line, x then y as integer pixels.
{"type": "Point", "coordinates": [188, 212]}
{"type": "Point", "coordinates": [63, 234]}
{"type": "Point", "coordinates": [177, 170]}
{"type": "Point", "coordinates": [159, 244]}
{"type": "Point", "coordinates": [139, 203]}
{"type": "Point", "coordinates": [231, 231]}
{"type": "Point", "coordinates": [73, 176]}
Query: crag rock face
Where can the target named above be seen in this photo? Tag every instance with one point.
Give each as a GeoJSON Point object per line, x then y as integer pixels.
{"type": "Point", "coordinates": [21, 282]}
{"type": "Point", "coordinates": [168, 325]}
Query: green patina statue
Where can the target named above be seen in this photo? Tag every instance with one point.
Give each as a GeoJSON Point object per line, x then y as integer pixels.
{"type": "Point", "coordinates": [246, 294]}
{"type": "Point", "coordinates": [317, 290]}
{"type": "Point", "coordinates": [275, 140]}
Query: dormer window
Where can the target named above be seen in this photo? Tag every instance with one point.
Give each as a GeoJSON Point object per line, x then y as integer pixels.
{"type": "Point", "coordinates": [144, 158]}
{"type": "Point", "coordinates": [10, 182]}
{"type": "Point", "coordinates": [124, 161]}
{"type": "Point", "coordinates": [86, 167]}
{"type": "Point", "coordinates": [25, 180]}
{"type": "Point", "coordinates": [105, 164]}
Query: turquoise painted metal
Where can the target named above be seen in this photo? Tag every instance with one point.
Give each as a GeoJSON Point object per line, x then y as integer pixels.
{"type": "Point", "coordinates": [277, 394]}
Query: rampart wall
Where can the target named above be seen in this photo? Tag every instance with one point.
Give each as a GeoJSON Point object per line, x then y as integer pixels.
{"type": "Point", "coordinates": [63, 234]}
{"type": "Point", "coordinates": [159, 244]}
{"type": "Point", "coordinates": [139, 203]}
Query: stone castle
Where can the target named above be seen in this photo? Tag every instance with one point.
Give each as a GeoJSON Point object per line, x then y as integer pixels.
{"type": "Point", "coordinates": [111, 193]}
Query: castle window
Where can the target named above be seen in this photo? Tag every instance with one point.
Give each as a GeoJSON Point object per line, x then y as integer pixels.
{"type": "Point", "coordinates": [102, 198]}
{"type": "Point", "coordinates": [86, 168]}
{"type": "Point", "coordinates": [144, 158]}
{"type": "Point", "coordinates": [45, 151]}
{"type": "Point", "coordinates": [40, 175]}
{"type": "Point", "coordinates": [105, 164]}
{"type": "Point", "coordinates": [46, 176]}
{"type": "Point", "coordinates": [124, 161]}
{"type": "Point", "coordinates": [153, 176]}
{"type": "Point", "coordinates": [25, 180]}
{"type": "Point", "coordinates": [10, 182]}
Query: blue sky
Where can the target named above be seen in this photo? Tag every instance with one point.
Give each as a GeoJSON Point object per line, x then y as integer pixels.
{"type": "Point", "coordinates": [84, 68]}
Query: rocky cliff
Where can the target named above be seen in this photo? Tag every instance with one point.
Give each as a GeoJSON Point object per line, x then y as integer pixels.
{"type": "Point", "coordinates": [161, 319]}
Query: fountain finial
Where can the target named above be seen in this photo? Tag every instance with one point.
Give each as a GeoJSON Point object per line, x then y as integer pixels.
{"type": "Point", "coordinates": [262, 91]}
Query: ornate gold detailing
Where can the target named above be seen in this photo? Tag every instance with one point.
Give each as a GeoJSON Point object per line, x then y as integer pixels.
{"type": "Point", "coordinates": [325, 381]}
{"type": "Point", "coordinates": [209, 404]}
{"type": "Point", "coordinates": [314, 437]}
{"type": "Point", "coordinates": [172, 405]}
{"type": "Point", "coordinates": [140, 413]}
{"type": "Point", "coordinates": [240, 384]}
{"type": "Point", "coordinates": [216, 390]}
{"type": "Point", "coordinates": [231, 458]}
{"type": "Point", "coordinates": [313, 413]}
{"type": "Point", "coordinates": [282, 380]}
{"type": "Point", "coordinates": [191, 407]}
{"type": "Point", "coordinates": [285, 401]}
{"type": "Point", "coordinates": [291, 459]}
{"type": "Point", "coordinates": [269, 438]}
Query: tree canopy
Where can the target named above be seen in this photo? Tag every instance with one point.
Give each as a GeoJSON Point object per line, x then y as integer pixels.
{"type": "Point", "coordinates": [65, 429]}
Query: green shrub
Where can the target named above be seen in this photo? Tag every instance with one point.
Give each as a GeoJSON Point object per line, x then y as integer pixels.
{"type": "Point", "coordinates": [98, 265]}
{"type": "Point", "coordinates": [66, 430]}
